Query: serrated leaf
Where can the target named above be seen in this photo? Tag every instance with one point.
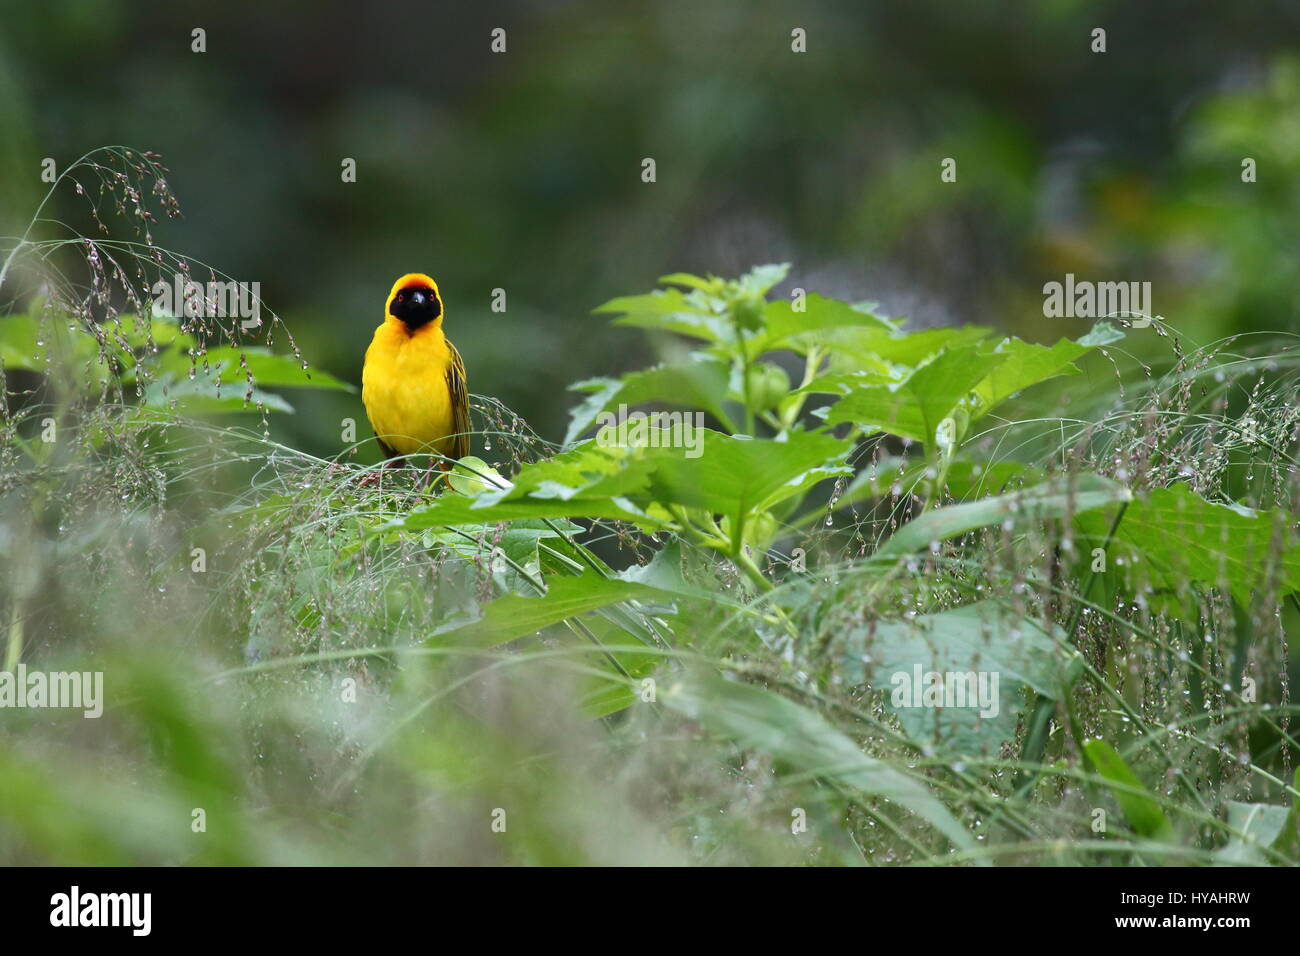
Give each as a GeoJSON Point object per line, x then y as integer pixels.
{"type": "Point", "coordinates": [733, 476]}
{"type": "Point", "coordinates": [914, 407]}
{"type": "Point", "coordinates": [586, 482]}
{"type": "Point", "coordinates": [820, 314]}
{"type": "Point", "coordinates": [709, 286]}
{"type": "Point", "coordinates": [1028, 364]}
{"type": "Point", "coordinates": [699, 383]}
{"type": "Point", "coordinates": [671, 311]}
{"type": "Point", "coordinates": [759, 280]}
{"type": "Point", "coordinates": [869, 348]}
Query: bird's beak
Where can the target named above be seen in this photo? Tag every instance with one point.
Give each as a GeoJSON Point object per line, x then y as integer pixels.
{"type": "Point", "coordinates": [419, 298]}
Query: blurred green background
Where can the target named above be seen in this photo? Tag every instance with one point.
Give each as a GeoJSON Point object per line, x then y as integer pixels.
{"type": "Point", "coordinates": [522, 170]}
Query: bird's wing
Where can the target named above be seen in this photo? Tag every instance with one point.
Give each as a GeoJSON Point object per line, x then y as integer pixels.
{"type": "Point", "coordinates": [456, 386]}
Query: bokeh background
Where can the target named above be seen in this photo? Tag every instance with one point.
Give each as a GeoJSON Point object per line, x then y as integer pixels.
{"type": "Point", "coordinates": [522, 170]}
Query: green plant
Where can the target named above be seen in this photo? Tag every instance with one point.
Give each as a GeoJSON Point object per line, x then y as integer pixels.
{"type": "Point", "coordinates": [688, 651]}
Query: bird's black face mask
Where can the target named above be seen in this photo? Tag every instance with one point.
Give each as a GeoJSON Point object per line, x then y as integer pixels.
{"type": "Point", "coordinates": [416, 305]}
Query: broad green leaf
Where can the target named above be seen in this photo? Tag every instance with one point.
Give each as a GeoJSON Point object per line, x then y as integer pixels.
{"type": "Point", "coordinates": [728, 476]}
{"type": "Point", "coordinates": [471, 475]}
{"type": "Point", "coordinates": [513, 616]}
{"type": "Point", "coordinates": [964, 480]}
{"type": "Point", "coordinates": [608, 695]}
{"type": "Point", "coordinates": [820, 314]}
{"type": "Point", "coordinates": [599, 392]}
{"type": "Point", "coordinates": [665, 573]}
{"type": "Point", "coordinates": [710, 286]}
{"type": "Point", "coordinates": [671, 311]}
{"type": "Point", "coordinates": [199, 397]}
{"type": "Point", "coordinates": [515, 545]}
{"type": "Point", "coordinates": [1261, 824]}
{"type": "Point", "coordinates": [1057, 498]}
{"type": "Point", "coordinates": [586, 482]}
{"type": "Point", "coordinates": [734, 476]}
{"type": "Point", "coordinates": [759, 280]}
{"type": "Point", "coordinates": [914, 407]}
{"type": "Point", "coordinates": [864, 348]}
{"type": "Point", "coordinates": [980, 647]}
{"type": "Point", "coordinates": [164, 331]}
{"type": "Point", "coordinates": [699, 383]}
{"type": "Point", "coordinates": [1028, 364]}
{"type": "Point", "coordinates": [35, 345]}
{"type": "Point", "coordinates": [267, 368]}
{"type": "Point", "coordinates": [803, 742]}
{"type": "Point", "coordinates": [1140, 808]}
{"type": "Point", "coordinates": [843, 383]}
{"type": "Point", "coordinates": [1170, 535]}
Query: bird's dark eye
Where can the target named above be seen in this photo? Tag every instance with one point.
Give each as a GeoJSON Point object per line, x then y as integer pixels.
{"type": "Point", "coordinates": [401, 297]}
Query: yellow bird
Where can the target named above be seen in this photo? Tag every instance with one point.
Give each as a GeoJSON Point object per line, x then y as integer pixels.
{"type": "Point", "coordinates": [413, 380]}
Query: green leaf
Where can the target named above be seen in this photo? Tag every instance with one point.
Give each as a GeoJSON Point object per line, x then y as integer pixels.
{"type": "Point", "coordinates": [1057, 498]}
{"type": "Point", "coordinates": [699, 383]}
{"type": "Point", "coordinates": [978, 641]}
{"type": "Point", "coordinates": [586, 482]}
{"type": "Point", "coordinates": [223, 364]}
{"type": "Point", "coordinates": [734, 476]}
{"type": "Point", "coordinates": [1260, 825]}
{"type": "Point", "coordinates": [599, 393]}
{"type": "Point", "coordinates": [803, 741]}
{"type": "Point", "coordinates": [163, 330]}
{"type": "Point", "coordinates": [1140, 808]}
{"type": "Point", "coordinates": [519, 542]}
{"type": "Point", "coordinates": [869, 348]}
{"type": "Point", "coordinates": [964, 480]}
{"type": "Point", "coordinates": [471, 475]}
{"type": "Point", "coordinates": [1170, 535]}
{"type": "Point", "coordinates": [710, 286]}
{"type": "Point", "coordinates": [513, 616]}
{"type": "Point", "coordinates": [820, 314]}
{"type": "Point", "coordinates": [199, 397]}
{"type": "Point", "coordinates": [1028, 364]}
{"type": "Point", "coordinates": [608, 695]}
{"type": "Point", "coordinates": [39, 345]}
{"type": "Point", "coordinates": [758, 281]}
{"type": "Point", "coordinates": [670, 311]}
{"type": "Point", "coordinates": [914, 407]}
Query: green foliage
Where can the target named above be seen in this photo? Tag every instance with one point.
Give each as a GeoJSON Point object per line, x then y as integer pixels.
{"type": "Point", "coordinates": [689, 637]}
{"type": "Point", "coordinates": [804, 742]}
{"type": "Point", "coordinates": [174, 370]}
{"type": "Point", "coordinates": [1172, 537]}
{"type": "Point", "coordinates": [1058, 498]}
{"type": "Point", "coordinates": [1140, 808]}
{"type": "Point", "coordinates": [983, 636]}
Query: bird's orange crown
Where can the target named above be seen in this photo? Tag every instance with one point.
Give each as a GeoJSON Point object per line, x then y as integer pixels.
{"type": "Point", "coordinates": [415, 301]}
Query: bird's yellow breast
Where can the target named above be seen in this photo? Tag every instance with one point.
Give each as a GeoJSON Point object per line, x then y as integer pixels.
{"type": "Point", "coordinates": [404, 388]}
